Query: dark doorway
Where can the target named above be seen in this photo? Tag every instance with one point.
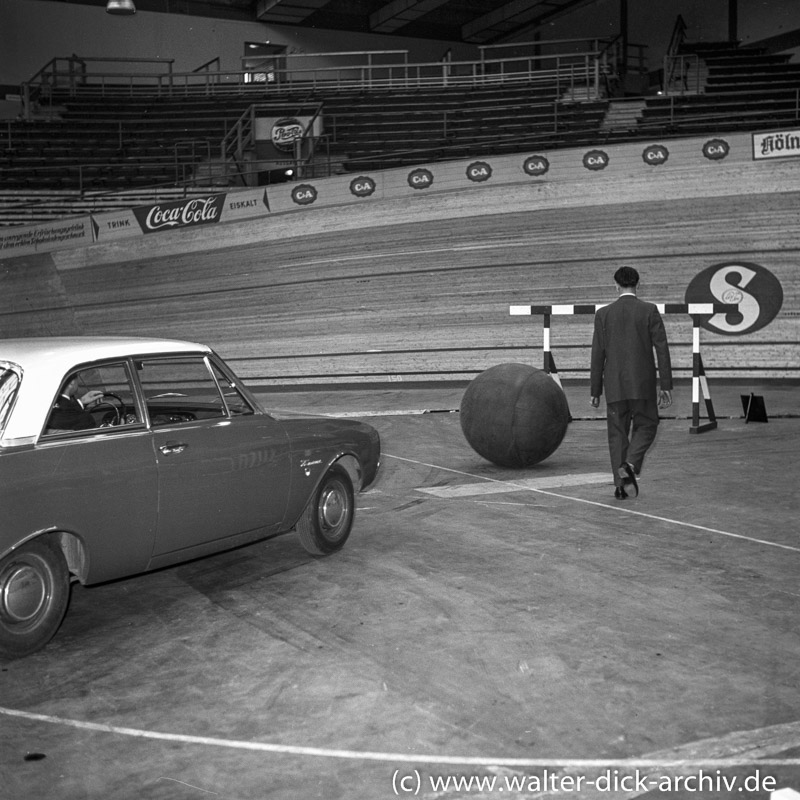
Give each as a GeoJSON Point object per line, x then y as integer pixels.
{"type": "Point", "coordinates": [263, 62]}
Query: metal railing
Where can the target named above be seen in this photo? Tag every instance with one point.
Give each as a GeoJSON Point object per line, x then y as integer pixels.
{"type": "Point", "coordinates": [682, 74]}
{"type": "Point", "coordinates": [676, 41]}
{"type": "Point", "coordinates": [73, 73]}
{"type": "Point", "coordinates": [791, 113]}
{"type": "Point", "coordinates": [565, 68]}
{"type": "Point", "coordinates": [213, 64]}
{"type": "Point", "coordinates": [570, 64]}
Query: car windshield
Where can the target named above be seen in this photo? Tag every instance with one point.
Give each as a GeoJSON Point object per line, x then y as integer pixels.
{"type": "Point", "coordinates": [9, 383]}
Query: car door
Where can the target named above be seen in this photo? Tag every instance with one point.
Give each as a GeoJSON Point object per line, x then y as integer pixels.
{"type": "Point", "coordinates": [97, 481]}
{"type": "Point", "coordinates": [223, 468]}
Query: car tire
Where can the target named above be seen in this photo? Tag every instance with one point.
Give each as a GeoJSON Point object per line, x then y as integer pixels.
{"type": "Point", "coordinates": [326, 522]}
{"type": "Point", "coordinates": [34, 594]}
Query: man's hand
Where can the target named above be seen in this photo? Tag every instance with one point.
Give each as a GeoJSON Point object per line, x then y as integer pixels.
{"type": "Point", "coordinates": [91, 397]}
{"type": "Point", "coordinates": [664, 398]}
{"type": "Point", "coordinates": [595, 402]}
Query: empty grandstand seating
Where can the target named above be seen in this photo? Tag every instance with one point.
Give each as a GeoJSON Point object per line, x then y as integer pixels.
{"type": "Point", "coordinates": [118, 142]}
{"type": "Point", "coordinates": [113, 140]}
{"type": "Point", "coordinates": [115, 143]}
{"type": "Point", "coordinates": [744, 88]}
{"type": "Point", "coordinates": [388, 130]}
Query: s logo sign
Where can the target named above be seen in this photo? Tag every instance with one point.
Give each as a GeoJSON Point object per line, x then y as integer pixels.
{"type": "Point", "coordinates": [757, 291]}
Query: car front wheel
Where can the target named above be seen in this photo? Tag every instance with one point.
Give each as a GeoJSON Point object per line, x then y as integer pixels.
{"type": "Point", "coordinates": [328, 518]}
{"type": "Point", "coordinates": [34, 592]}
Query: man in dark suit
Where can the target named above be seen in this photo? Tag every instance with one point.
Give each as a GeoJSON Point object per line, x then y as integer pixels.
{"type": "Point", "coordinates": [626, 333]}
{"type": "Point", "coordinates": [70, 413]}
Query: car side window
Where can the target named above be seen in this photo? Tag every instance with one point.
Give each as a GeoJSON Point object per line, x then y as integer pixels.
{"type": "Point", "coordinates": [237, 403]}
{"type": "Point", "coordinates": [93, 398]}
{"type": "Point", "coordinates": [9, 383]}
{"type": "Point", "coordinates": [180, 389]}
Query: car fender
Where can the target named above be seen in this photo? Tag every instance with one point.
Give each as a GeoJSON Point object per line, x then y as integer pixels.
{"type": "Point", "coordinates": [71, 545]}
{"type": "Point", "coordinates": [314, 470]}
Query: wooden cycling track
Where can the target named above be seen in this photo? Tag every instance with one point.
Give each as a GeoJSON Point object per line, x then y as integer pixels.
{"type": "Point", "coordinates": [419, 288]}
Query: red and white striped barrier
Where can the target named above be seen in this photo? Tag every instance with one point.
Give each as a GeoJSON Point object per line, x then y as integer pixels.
{"type": "Point", "coordinates": [699, 380]}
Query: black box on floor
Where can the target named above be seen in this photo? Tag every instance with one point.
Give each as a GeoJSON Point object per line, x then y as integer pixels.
{"type": "Point", "coordinates": [754, 408]}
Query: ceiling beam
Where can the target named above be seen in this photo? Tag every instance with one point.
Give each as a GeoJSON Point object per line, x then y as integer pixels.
{"type": "Point", "coordinates": [399, 13]}
{"type": "Point", "coordinates": [289, 12]}
{"type": "Point", "coordinates": [516, 16]}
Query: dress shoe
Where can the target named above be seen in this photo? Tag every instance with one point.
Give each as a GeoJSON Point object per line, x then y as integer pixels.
{"type": "Point", "coordinates": [626, 472]}
{"type": "Point", "coordinates": [620, 493]}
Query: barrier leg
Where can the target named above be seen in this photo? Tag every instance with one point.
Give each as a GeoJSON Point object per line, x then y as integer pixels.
{"type": "Point", "coordinates": [549, 365]}
{"type": "Point", "coordinates": [549, 362]}
{"type": "Point", "coordinates": [700, 384]}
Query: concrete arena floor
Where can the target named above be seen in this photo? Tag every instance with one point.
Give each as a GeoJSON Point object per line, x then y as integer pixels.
{"type": "Point", "coordinates": [481, 623]}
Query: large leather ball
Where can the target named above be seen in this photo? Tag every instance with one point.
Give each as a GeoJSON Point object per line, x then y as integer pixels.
{"type": "Point", "coordinates": [514, 415]}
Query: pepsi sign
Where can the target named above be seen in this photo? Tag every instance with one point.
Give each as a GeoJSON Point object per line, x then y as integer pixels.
{"type": "Point", "coordinates": [754, 288]}
{"type": "Point", "coordinates": [285, 132]}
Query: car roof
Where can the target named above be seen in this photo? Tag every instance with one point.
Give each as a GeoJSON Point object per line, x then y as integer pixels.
{"type": "Point", "coordinates": [72, 350]}
{"type": "Point", "coordinates": [45, 360]}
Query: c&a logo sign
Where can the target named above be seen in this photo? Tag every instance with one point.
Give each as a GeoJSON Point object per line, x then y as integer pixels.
{"type": "Point", "coordinates": [479, 171]}
{"type": "Point", "coordinates": [655, 154]}
{"type": "Point", "coordinates": [362, 186]}
{"type": "Point", "coordinates": [716, 149]}
{"type": "Point", "coordinates": [595, 160]}
{"type": "Point", "coordinates": [420, 178]}
{"type": "Point", "coordinates": [536, 166]}
{"type": "Point", "coordinates": [757, 291]}
{"type": "Point", "coordinates": [304, 194]}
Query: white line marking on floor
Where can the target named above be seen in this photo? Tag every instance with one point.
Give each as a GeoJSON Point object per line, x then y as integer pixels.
{"type": "Point", "coordinates": [422, 758]}
{"type": "Point", "coordinates": [624, 509]}
{"type": "Point", "coordinates": [399, 412]}
{"type": "Point", "coordinates": [548, 482]}
{"type": "Point", "coordinates": [788, 738]}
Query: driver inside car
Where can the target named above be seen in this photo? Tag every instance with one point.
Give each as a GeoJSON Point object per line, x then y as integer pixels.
{"type": "Point", "coordinates": [70, 412]}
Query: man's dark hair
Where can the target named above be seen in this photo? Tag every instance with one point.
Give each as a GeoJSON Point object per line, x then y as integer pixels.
{"type": "Point", "coordinates": [627, 277]}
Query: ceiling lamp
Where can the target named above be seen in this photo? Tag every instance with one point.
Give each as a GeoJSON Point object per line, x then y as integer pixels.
{"type": "Point", "coordinates": [121, 7]}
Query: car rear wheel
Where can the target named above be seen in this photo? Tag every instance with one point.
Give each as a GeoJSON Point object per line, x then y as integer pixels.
{"type": "Point", "coordinates": [328, 518]}
{"type": "Point", "coordinates": [34, 593]}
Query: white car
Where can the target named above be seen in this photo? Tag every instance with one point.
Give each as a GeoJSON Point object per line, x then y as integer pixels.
{"type": "Point", "coordinates": [122, 455]}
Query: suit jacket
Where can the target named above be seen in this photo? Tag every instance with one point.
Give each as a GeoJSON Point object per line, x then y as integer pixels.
{"type": "Point", "coordinates": [69, 414]}
{"type": "Point", "coordinates": [625, 334]}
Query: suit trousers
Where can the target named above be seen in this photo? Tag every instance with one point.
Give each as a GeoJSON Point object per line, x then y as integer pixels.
{"type": "Point", "coordinates": [632, 428]}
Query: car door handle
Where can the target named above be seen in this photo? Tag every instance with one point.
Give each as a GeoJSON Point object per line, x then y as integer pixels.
{"type": "Point", "coordinates": [170, 448]}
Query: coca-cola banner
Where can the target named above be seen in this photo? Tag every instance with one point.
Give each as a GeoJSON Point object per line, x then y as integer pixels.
{"type": "Point", "coordinates": [172, 214]}
{"type": "Point", "coordinates": [180, 213]}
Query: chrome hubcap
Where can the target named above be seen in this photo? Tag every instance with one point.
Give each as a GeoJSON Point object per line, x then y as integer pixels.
{"type": "Point", "coordinates": [332, 508]}
{"type": "Point", "coordinates": [24, 593]}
